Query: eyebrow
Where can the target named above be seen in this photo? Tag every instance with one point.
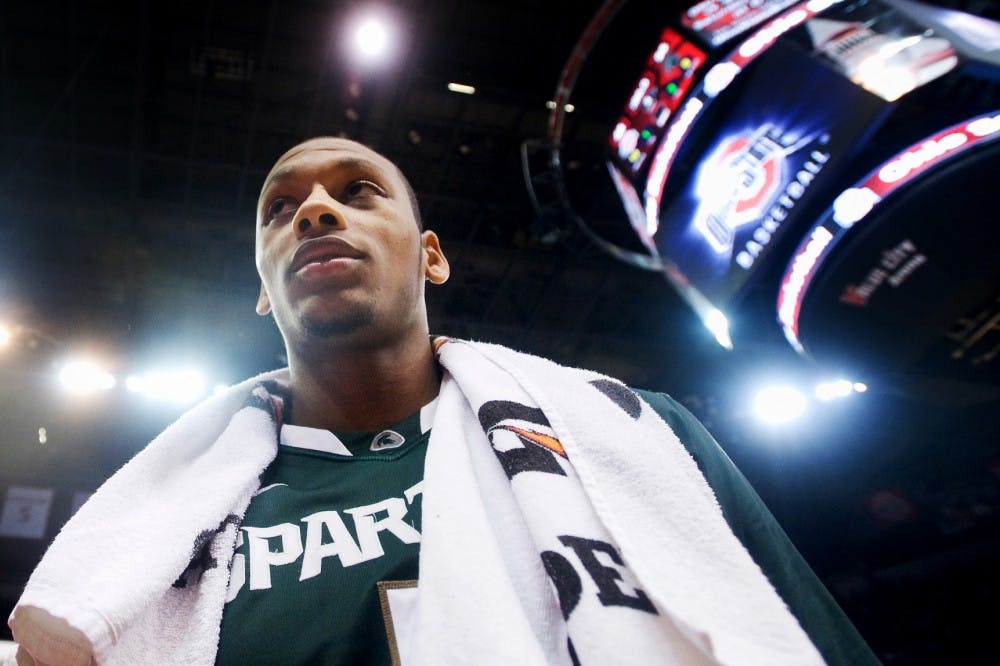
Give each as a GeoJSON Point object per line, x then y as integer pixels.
{"type": "Point", "coordinates": [347, 164]}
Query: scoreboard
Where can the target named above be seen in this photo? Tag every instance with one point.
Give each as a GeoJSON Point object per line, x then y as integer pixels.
{"type": "Point", "coordinates": [837, 154]}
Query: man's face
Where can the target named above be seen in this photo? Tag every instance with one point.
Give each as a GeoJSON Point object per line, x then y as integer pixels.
{"type": "Point", "coordinates": [338, 249]}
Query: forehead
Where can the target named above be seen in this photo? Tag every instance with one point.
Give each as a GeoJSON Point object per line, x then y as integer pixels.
{"type": "Point", "coordinates": [327, 153]}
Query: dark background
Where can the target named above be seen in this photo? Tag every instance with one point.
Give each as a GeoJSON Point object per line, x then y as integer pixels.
{"type": "Point", "coordinates": [133, 141]}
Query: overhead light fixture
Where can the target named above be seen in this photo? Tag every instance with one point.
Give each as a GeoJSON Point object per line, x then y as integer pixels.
{"type": "Point", "coordinates": [779, 404]}
{"type": "Point", "coordinates": [371, 39]}
{"type": "Point", "coordinates": [85, 377]}
{"type": "Point", "coordinates": [462, 88]}
{"type": "Point", "coordinates": [551, 105]}
{"type": "Point", "coordinates": [839, 388]}
{"type": "Point", "coordinates": [716, 322]}
{"type": "Point", "coordinates": [179, 386]}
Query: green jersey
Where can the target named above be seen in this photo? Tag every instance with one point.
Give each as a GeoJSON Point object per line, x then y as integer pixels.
{"type": "Point", "coordinates": [335, 514]}
{"type": "Point", "coordinates": [338, 514]}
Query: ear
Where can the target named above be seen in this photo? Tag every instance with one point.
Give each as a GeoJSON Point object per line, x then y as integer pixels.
{"type": "Point", "coordinates": [436, 268]}
{"type": "Point", "coordinates": [263, 302]}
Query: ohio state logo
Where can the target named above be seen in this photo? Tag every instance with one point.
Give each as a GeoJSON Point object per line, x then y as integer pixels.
{"type": "Point", "coordinates": [737, 183]}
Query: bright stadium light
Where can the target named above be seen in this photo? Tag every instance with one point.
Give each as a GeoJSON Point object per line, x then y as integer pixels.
{"type": "Point", "coordinates": [371, 39]}
{"type": "Point", "coordinates": [85, 377]}
{"type": "Point", "coordinates": [839, 388]}
{"type": "Point", "coordinates": [779, 404]}
{"type": "Point", "coordinates": [179, 386]}
{"type": "Point", "coordinates": [717, 323]}
{"type": "Point", "coordinates": [462, 88]}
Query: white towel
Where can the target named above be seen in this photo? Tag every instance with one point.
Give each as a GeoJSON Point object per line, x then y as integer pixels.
{"type": "Point", "coordinates": [678, 587]}
{"type": "Point", "coordinates": [114, 571]}
{"type": "Point", "coordinates": [624, 555]}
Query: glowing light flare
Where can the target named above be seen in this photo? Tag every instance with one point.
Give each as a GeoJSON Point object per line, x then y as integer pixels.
{"type": "Point", "coordinates": [462, 88]}
{"type": "Point", "coordinates": [719, 77]}
{"type": "Point", "coordinates": [619, 132]}
{"type": "Point", "coordinates": [628, 141]}
{"type": "Point", "coordinates": [716, 322]}
{"type": "Point", "coordinates": [984, 126]}
{"type": "Point", "coordinates": [889, 81]}
{"type": "Point", "coordinates": [817, 6]}
{"type": "Point", "coordinates": [82, 377]}
{"type": "Point", "coordinates": [181, 386]}
{"type": "Point", "coordinates": [662, 159]}
{"type": "Point", "coordinates": [779, 404]}
{"type": "Point", "coordinates": [795, 281]}
{"type": "Point", "coordinates": [852, 205]}
{"type": "Point", "coordinates": [917, 159]}
{"type": "Point", "coordinates": [838, 388]}
{"type": "Point", "coordinates": [4, 335]}
{"type": "Point", "coordinates": [568, 108]}
{"type": "Point", "coordinates": [860, 387]}
{"type": "Point", "coordinates": [637, 94]}
{"type": "Point", "coordinates": [371, 39]}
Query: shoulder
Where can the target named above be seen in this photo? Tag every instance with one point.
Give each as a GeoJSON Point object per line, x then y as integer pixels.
{"type": "Point", "coordinates": [690, 431]}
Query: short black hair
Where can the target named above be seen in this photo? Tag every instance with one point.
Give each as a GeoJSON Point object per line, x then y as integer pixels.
{"type": "Point", "coordinates": [410, 193]}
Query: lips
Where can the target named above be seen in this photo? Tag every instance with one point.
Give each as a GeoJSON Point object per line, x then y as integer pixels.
{"type": "Point", "coordinates": [321, 250]}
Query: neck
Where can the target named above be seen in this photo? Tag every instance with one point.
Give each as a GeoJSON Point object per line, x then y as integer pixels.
{"type": "Point", "coordinates": [362, 389]}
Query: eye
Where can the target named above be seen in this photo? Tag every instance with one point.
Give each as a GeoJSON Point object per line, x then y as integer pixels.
{"type": "Point", "coordinates": [361, 188]}
{"type": "Point", "coordinates": [278, 207]}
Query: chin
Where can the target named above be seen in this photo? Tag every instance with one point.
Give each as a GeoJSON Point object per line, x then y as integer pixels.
{"type": "Point", "coordinates": [332, 326]}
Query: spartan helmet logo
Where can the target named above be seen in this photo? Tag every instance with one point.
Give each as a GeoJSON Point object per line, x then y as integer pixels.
{"type": "Point", "coordinates": [387, 439]}
{"type": "Point", "coordinates": [521, 437]}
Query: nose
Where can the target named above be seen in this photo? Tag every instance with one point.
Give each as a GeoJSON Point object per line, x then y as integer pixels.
{"type": "Point", "coordinates": [317, 215]}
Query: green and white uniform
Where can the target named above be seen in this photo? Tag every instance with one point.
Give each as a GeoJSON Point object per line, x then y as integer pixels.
{"type": "Point", "coordinates": [337, 513]}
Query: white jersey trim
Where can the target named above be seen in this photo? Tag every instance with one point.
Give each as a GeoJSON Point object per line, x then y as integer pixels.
{"type": "Point", "coordinates": [314, 439]}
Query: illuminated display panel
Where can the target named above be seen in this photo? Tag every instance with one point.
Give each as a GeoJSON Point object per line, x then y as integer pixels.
{"type": "Point", "coordinates": [853, 206]}
{"type": "Point", "coordinates": [665, 80]}
{"type": "Point", "coordinates": [751, 171]}
{"type": "Point", "coordinates": [716, 80]}
{"type": "Point", "coordinates": [717, 21]}
{"type": "Point", "coordinates": [877, 47]}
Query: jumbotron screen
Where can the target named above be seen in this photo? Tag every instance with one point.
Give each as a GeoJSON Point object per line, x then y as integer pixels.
{"type": "Point", "coordinates": [757, 167]}
{"type": "Point", "coordinates": [716, 21]}
{"type": "Point", "coordinates": [750, 119]}
{"type": "Point", "coordinates": [726, 147]}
